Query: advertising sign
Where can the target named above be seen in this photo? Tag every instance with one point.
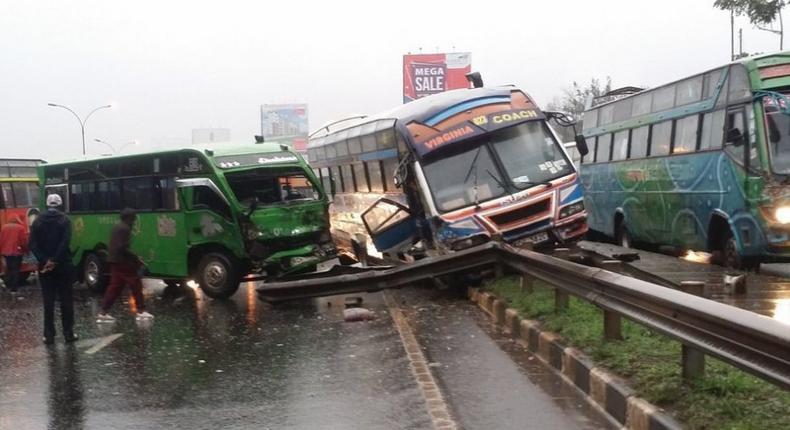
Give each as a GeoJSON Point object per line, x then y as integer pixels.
{"type": "Point", "coordinates": [285, 123]}
{"type": "Point", "coordinates": [426, 74]}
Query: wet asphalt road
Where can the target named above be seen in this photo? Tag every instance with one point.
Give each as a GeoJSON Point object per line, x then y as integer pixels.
{"type": "Point", "coordinates": [205, 364]}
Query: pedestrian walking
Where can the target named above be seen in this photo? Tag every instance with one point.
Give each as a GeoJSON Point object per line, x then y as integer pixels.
{"type": "Point", "coordinates": [13, 246]}
{"type": "Point", "coordinates": [49, 241]}
{"type": "Point", "coordinates": [125, 268]}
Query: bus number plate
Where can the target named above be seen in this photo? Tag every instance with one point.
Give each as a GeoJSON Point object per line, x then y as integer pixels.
{"type": "Point", "coordinates": [535, 239]}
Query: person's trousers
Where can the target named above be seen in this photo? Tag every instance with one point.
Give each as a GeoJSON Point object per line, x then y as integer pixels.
{"type": "Point", "coordinates": [123, 275]}
{"type": "Point", "coordinates": [57, 286]}
{"type": "Point", "coordinates": [13, 263]}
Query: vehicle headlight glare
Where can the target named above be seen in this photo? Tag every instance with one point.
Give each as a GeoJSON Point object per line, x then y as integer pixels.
{"type": "Point", "coordinates": [783, 214]}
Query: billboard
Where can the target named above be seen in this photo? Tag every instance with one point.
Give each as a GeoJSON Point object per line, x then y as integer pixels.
{"type": "Point", "coordinates": [426, 74]}
{"type": "Point", "coordinates": [285, 123]}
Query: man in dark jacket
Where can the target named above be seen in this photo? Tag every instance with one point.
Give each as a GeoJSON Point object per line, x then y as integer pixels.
{"type": "Point", "coordinates": [124, 269]}
{"type": "Point", "coordinates": [49, 242]}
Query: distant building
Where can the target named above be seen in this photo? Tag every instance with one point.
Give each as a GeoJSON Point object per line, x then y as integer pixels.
{"type": "Point", "coordinates": [210, 135]}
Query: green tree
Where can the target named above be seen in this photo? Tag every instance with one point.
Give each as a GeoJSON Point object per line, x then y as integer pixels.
{"type": "Point", "coordinates": [759, 12]}
{"type": "Point", "coordinates": [573, 100]}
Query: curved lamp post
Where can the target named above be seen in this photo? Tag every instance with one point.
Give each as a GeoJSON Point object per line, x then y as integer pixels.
{"type": "Point", "coordinates": [112, 148]}
{"type": "Point", "coordinates": [82, 121]}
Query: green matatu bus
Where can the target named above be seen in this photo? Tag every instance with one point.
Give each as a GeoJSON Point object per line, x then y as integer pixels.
{"type": "Point", "coordinates": [702, 163]}
{"type": "Point", "coordinates": [211, 215]}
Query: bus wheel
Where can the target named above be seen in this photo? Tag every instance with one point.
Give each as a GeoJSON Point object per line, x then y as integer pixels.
{"type": "Point", "coordinates": [730, 256]}
{"type": "Point", "coordinates": [94, 272]}
{"type": "Point", "coordinates": [623, 237]}
{"type": "Point", "coordinates": [217, 276]}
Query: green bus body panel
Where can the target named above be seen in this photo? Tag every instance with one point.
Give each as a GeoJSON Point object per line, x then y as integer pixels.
{"type": "Point", "coordinates": [163, 239]}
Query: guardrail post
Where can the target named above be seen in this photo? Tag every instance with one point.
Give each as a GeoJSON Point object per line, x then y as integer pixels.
{"type": "Point", "coordinates": [612, 326]}
{"type": "Point", "coordinates": [693, 363]}
{"type": "Point", "coordinates": [527, 284]}
{"type": "Point", "coordinates": [561, 300]}
{"type": "Point", "coordinates": [499, 270]}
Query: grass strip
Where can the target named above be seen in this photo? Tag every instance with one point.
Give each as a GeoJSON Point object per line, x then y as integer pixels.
{"type": "Point", "coordinates": [726, 398]}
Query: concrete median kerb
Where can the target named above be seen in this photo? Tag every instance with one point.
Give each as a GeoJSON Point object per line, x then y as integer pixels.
{"type": "Point", "coordinates": [608, 392]}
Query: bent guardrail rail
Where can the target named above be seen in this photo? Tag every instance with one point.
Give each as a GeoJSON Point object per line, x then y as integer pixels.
{"type": "Point", "coordinates": [749, 341]}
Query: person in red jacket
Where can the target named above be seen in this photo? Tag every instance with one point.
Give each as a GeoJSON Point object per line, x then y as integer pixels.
{"type": "Point", "coordinates": [13, 246]}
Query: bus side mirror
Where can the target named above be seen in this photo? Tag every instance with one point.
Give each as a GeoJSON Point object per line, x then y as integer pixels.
{"type": "Point", "coordinates": [581, 145]}
{"type": "Point", "coordinates": [734, 136]}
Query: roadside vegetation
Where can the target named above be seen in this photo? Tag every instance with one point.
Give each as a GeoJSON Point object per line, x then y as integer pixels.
{"type": "Point", "coordinates": [726, 398]}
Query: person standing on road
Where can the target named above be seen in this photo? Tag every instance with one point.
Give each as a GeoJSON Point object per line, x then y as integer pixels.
{"type": "Point", "coordinates": [124, 269]}
{"type": "Point", "coordinates": [49, 241]}
{"type": "Point", "coordinates": [13, 245]}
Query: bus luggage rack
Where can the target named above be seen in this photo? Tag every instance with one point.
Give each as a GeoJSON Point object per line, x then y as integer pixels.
{"type": "Point", "coordinates": [751, 342]}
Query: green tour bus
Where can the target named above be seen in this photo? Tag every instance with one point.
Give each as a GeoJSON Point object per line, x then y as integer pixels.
{"type": "Point", "coordinates": [211, 215]}
{"type": "Point", "coordinates": [702, 163]}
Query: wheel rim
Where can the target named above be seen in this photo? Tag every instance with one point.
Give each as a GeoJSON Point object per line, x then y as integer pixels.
{"type": "Point", "coordinates": [91, 272]}
{"type": "Point", "coordinates": [215, 275]}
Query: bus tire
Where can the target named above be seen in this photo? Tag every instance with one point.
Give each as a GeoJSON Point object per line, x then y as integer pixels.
{"type": "Point", "coordinates": [623, 237]}
{"type": "Point", "coordinates": [217, 275]}
{"type": "Point", "coordinates": [729, 253]}
{"type": "Point", "coordinates": [94, 272]}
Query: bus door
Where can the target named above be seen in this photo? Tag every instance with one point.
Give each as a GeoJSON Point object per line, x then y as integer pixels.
{"type": "Point", "coordinates": [208, 215]}
{"type": "Point", "coordinates": [391, 225]}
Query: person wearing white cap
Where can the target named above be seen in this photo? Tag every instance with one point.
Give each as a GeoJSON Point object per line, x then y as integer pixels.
{"type": "Point", "coordinates": [49, 242]}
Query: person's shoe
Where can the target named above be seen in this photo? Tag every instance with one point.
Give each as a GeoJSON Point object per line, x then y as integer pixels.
{"type": "Point", "coordinates": [144, 316]}
{"type": "Point", "coordinates": [105, 318]}
{"type": "Point", "coordinates": [71, 338]}
{"type": "Point", "coordinates": [49, 340]}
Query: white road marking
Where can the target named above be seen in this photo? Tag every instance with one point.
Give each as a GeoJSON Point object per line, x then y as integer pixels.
{"type": "Point", "coordinates": [103, 342]}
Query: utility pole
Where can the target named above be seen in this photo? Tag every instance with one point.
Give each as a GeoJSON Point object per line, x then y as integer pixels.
{"type": "Point", "coordinates": [740, 43]}
{"type": "Point", "coordinates": [732, 36]}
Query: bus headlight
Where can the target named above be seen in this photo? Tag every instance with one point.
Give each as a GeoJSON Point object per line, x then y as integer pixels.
{"type": "Point", "coordinates": [782, 214]}
{"type": "Point", "coordinates": [571, 209]}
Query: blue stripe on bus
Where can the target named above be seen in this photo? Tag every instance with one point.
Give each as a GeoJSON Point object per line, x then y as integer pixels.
{"type": "Point", "coordinates": [447, 113]}
{"type": "Point", "coordinates": [379, 155]}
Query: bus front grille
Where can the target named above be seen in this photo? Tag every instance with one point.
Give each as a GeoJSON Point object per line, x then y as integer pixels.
{"type": "Point", "coordinates": [506, 219]}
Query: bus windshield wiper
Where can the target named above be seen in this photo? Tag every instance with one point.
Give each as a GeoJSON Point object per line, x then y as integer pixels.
{"type": "Point", "coordinates": [532, 183]}
{"type": "Point", "coordinates": [497, 180]}
{"type": "Point", "coordinates": [473, 166]}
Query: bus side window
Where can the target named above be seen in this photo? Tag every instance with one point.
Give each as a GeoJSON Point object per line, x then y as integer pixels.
{"type": "Point", "coordinates": [639, 142]}
{"type": "Point", "coordinates": [603, 149]}
{"type": "Point", "coordinates": [712, 130]}
{"type": "Point", "coordinates": [660, 139]}
{"type": "Point", "coordinates": [736, 119]}
{"type": "Point", "coordinates": [8, 196]}
{"type": "Point", "coordinates": [204, 197]}
{"type": "Point", "coordinates": [374, 173]}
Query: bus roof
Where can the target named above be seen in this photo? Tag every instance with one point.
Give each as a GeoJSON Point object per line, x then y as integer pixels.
{"type": "Point", "coordinates": [423, 110]}
{"type": "Point", "coordinates": [209, 150]}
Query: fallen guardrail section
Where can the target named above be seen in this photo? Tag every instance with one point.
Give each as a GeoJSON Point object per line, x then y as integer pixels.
{"type": "Point", "coordinates": [749, 341]}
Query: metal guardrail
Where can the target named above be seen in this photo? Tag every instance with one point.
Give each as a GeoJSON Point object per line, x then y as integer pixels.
{"type": "Point", "coordinates": [749, 341]}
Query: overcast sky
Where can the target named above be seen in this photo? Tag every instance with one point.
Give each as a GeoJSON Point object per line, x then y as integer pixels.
{"type": "Point", "coordinates": [171, 66]}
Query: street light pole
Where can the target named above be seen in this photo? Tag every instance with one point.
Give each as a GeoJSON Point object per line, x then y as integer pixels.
{"type": "Point", "coordinates": [112, 148]}
{"type": "Point", "coordinates": [81, 121]}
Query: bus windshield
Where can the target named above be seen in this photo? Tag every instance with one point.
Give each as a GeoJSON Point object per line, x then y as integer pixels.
{"type": "Point", "coordinates": [464, 179]}
{"type": "Point", "coordinates": [268, 186]}
{"type": "Point", "coordinates": [778, 126]}
{"type": "Point", "coordinates": [529, 154]}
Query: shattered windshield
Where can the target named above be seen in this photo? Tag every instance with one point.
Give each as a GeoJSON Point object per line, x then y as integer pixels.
{"type": "Point", "coordinates": [777, 120]}
{"type": "Point", "coordinates": [271, 186]}
{"type": "Point", "coordinates": [529, 154]}
{"type": "Point", "coordinates": [464, 179]}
